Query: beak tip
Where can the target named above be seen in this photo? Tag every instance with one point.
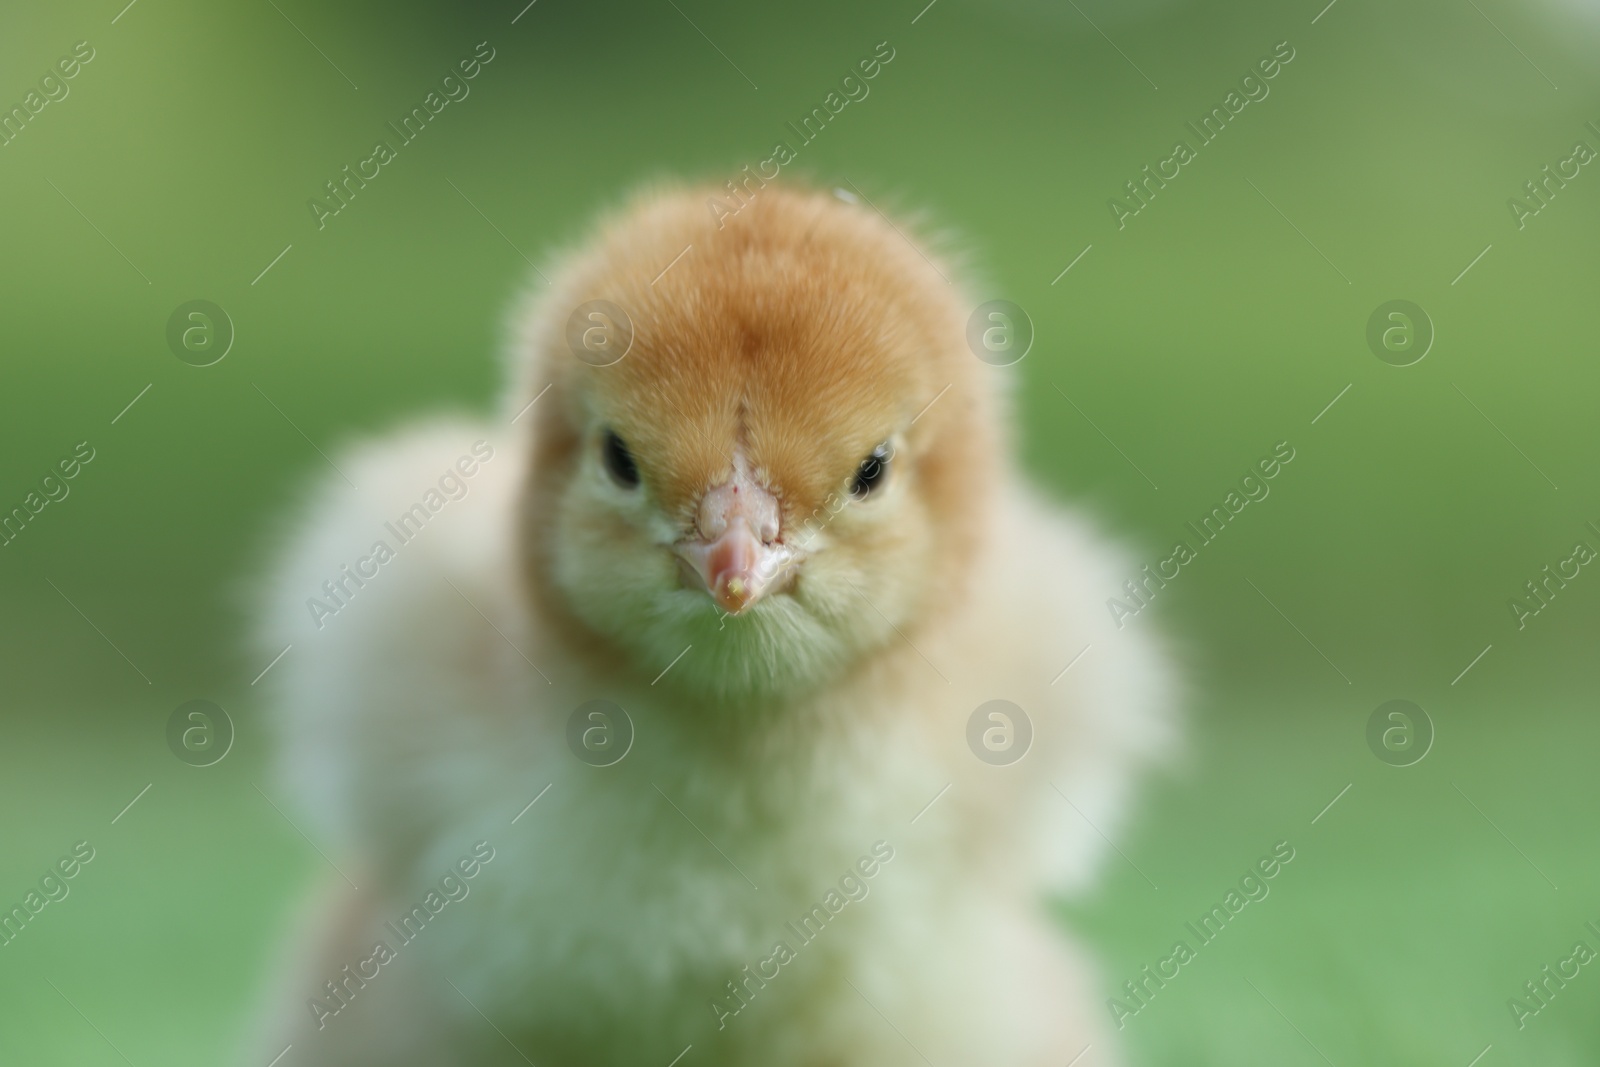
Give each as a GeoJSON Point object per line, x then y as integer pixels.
{"type": "Point", "coordinates": [735, 595]}
{"type": "Point", "coordinates": [734, 569]}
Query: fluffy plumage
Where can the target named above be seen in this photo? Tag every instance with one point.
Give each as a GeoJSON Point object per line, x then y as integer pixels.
{"type": "Point", "coordinates": [774, 747]}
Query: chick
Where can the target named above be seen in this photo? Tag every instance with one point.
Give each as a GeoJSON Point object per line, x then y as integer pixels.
{"type": "Point", "coordinates": [699, 656]}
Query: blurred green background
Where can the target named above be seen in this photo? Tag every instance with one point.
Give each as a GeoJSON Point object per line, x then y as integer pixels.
{"type": "Point", "coordinates": [1222, 319]}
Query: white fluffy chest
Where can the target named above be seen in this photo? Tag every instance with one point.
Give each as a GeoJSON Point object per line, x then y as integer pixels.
{"type": "Point", "coordinates": [666, 871]}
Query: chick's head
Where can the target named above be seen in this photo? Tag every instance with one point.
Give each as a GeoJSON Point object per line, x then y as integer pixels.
{"type": "Point", "coordinates": [764, 437]}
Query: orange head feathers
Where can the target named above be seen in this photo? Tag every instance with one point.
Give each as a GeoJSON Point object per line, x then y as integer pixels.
{"type": "Point", "coordinates": [766, 438]}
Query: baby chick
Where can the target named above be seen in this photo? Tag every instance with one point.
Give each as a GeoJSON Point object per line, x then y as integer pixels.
{"type": "Point", "coordinates": [701, 658]}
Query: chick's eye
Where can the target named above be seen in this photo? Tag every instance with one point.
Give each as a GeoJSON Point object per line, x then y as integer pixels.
{"type": "Point", "coordinates": [618, 461]}
{"type": "Point", "coordinates": [872, 473]}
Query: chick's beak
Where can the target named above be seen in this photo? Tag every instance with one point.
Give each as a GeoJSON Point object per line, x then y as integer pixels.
{"type": "Point", "coordinates": [735, 553]}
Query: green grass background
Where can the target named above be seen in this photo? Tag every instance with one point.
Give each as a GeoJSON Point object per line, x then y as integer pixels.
{"type": "Point", "coordinates": [1195, 338]}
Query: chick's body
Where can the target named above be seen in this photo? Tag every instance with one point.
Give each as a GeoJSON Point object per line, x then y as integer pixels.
{"type": "Point", "coordinates": [798, 858]}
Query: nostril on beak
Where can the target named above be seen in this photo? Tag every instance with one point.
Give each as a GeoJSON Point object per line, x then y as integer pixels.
{"type": "Point", "coordinates": [734, 550]}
